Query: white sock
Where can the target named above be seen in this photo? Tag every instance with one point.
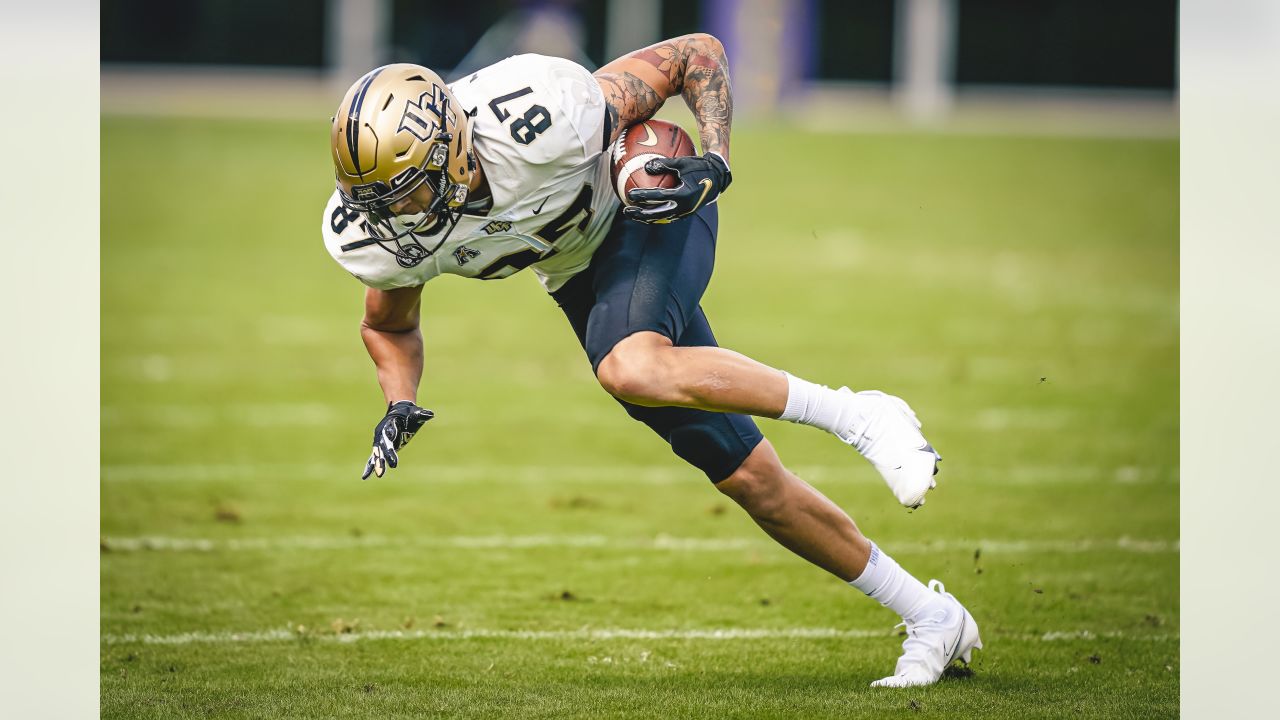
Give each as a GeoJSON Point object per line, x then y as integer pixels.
{"type": "Point", "coordinates": [886, 582]}
{"type": "Point", "coordinates": [818, 405]}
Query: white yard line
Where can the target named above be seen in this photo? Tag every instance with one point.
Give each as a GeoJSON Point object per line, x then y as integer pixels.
{"type": "Point", "coordinates": [282, 635]}
{"type": "Point", "coordinates": [435, 474]}
{"type": "Point", "coordinates": [660, 543]}
{"type": "Point", "coordinates": [618, 474]}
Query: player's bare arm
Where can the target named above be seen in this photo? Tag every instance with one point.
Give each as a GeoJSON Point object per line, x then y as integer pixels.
{"type": "Point", "coordinates": [693, 66]}
{"type": "Point", "coordinates": [392, 335]}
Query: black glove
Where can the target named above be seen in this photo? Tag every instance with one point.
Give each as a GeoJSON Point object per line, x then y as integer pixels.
{"type": "Point", "coordinates": [393, 432]}
{"type": "Point", "coordinates": [702, 179]}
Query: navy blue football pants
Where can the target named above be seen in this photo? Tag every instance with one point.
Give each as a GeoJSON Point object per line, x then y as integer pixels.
{"type": "Point", "coordinates": [651, 277]}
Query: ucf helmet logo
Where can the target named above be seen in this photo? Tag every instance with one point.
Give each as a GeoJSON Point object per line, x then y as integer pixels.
{"type": "Point", "coordinates": [420, 116]}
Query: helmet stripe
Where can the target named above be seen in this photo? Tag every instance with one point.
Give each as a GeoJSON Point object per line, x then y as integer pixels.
{"type": "Point", "coordinates": [353, 120]}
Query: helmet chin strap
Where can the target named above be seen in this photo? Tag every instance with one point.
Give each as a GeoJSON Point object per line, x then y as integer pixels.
{"type": "Point", "coordinates": [409, 258]}
{"type": "Point", "coordinates": [411, 253]}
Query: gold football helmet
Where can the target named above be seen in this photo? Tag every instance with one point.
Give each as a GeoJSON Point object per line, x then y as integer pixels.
{"type": "Point", "coordinates": [398, 127]}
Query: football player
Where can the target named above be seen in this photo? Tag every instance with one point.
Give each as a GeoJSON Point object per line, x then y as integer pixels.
{"type": "Point", "coordinates": [508, 169]}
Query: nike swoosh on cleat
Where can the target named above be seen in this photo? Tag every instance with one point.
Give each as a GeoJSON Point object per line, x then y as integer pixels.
{"type": "Point", "coordinates": [952, 654]}
{"type": "Point", "coordinates": [964, 618]}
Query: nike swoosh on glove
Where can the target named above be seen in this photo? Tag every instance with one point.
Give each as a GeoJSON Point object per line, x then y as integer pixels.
{"type": "Point", "coordinates": [702, 179]}
{"type": "Point", "coordinates": [393, 432]}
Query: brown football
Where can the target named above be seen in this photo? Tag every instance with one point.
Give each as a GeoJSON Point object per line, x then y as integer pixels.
{"type": "Point", "coordinates": [641, 143]}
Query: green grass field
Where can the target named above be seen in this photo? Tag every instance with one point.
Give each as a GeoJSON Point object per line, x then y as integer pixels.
{"type": "Point", "coordinates": [539, 554]}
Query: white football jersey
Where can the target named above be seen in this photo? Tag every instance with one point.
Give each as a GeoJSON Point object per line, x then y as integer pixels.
{"type": "Point", "coordinates": [538, 131]}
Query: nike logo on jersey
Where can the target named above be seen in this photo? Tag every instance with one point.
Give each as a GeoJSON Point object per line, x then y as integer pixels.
{"type": "Point", "coordinates": [544, 202]}
{"type": "Point", "coordinates": [649, 141]}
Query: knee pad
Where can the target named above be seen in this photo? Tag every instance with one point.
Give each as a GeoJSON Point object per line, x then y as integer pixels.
{"type": "Point", "coordinates": [716, 444]}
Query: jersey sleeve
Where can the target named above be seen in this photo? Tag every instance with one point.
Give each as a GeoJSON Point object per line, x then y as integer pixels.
{"type": "Point", "coordinates": [581, 102]}
{"type": "Point", "coordinates": [511, 97]}
{"type": "Point", "coordinates": [369, 263]}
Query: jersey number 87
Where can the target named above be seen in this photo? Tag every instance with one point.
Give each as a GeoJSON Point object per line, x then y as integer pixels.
{"type": "Point", "coordinates": [524, 130]}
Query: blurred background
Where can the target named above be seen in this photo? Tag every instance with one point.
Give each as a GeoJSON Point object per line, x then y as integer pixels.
{"type": "Point", "coordinates": [1044, 66]}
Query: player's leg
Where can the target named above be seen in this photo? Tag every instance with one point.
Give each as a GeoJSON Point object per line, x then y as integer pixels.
{"type": "Point", "coordinates": [646, 369]}
{"type": "Point", "coordinates": [735, 456]}
{"type": "Point", "coordinates": [802, 519]}
{"type": "Point", "coordinates": [648, 282]}
{"type": "Point", "coordinates": [730, 450]}
{"type": "Point", "coordinates": [806, 522]}
{"type": "Point", "coordinates": [796, 515]}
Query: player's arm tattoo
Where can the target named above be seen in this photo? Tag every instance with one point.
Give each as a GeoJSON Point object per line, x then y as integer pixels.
{"type": "Point", "coordinates": [706, 90]}
{"type": "Point", "coordinates": [627, 100]}
{"type": "Point", "coordinates": [693, 66]}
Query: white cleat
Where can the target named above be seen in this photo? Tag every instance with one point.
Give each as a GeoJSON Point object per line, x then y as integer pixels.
{"type": "Point", "coordinates": [887, 433]}
{"type": "Point", "coordinates": [933, 642]}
